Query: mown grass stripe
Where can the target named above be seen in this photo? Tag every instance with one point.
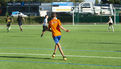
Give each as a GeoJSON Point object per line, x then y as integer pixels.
{"type": "Point", "coordinates": [57, 63]}
{"type": "Point", "coordinates": [53, 49]}
{"type": "Point", "coordinates": [60, 55]}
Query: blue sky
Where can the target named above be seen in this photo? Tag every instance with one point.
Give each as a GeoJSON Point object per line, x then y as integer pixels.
{"type": "Point", "coordinates": [90, 1]}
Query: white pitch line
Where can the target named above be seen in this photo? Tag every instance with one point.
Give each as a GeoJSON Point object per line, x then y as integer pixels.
{"type": "Point", "coordinates": [60, 55]}
{"type": "Point", "coordinates": [93, 56]}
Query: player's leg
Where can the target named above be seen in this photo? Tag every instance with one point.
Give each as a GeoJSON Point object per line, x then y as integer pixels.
{"type": "Point", "coordinates": [20, 26]}
{"type": "Point", "coordinates": [56, 47]}
{"type": "Point", "coordinates": [109, 27]}
{"type": "Point", "coordinates": [43, 31]}
{"type": "Point", "coordinates": [61, 51]}
{"type": "Point", "coordinates": [56, 41]}
{"type": "Point", "coordinates": [8, 27]}
{"type": "Point", "coordinates": [112, 28]}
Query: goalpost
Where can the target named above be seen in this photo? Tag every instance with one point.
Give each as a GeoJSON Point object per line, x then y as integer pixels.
{"type": "Point", "coordinates": [116, 16]}
{"type": "Point", "coordinates": [113, 12]}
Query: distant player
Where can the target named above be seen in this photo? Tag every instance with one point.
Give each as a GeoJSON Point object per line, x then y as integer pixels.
{"type": "Point", "coordinates": [9, 21]}
{"type": "Point", "coordinates": [20, 19]}
{"type": "Point", "coordinates": [110, 22]}
{"type": "Point", "coordinates": [55, 26]}
{"type": "Point", "coordinates": [45, 25]}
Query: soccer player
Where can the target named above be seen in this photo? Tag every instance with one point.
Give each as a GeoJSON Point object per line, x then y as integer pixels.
{"type": "Point", "coordinates": [110, 22]}
{"type": "Point", "coordinates": [19, 19]}
{"type": "Point", "coordinates": [45, 23]}
{"type": "Point", "coordinates": [9, 21]}
{"type": "Point", "coordinates": [55, 26]}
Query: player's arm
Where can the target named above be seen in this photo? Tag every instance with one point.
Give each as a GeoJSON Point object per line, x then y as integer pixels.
{"type": "Point", "coordinates": [23, 19]}
{"type": "Point", "coordinates": [108, 22]}
{"type": "Point", "coordinates": [64, 28]}
{"type": "Point", "coordinates": [11, 19]}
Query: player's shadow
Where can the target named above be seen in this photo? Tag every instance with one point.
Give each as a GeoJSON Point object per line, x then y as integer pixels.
{"type": "Point", "coordinates": [27, 57]}
{"type": "Point", "coordinates": [23, 57]}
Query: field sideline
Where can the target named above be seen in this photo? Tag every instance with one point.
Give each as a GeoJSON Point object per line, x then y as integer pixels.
{"type": "Point", "coordinates": [86, 47]}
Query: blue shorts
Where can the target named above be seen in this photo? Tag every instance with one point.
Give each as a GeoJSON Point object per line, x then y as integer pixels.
{"type": "Point", "coordinates": [56, 39]}
{"type": "Point", "coordinates": [19, 23]}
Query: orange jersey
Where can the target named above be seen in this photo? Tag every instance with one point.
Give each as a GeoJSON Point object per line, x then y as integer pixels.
{"type": "Point", "coordinates": [54, 24]}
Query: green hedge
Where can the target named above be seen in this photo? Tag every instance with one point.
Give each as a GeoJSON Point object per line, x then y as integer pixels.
{"type": "Point", "coordinates": [34, 19]}
{"type": "Point", "coordinates": [2, 19]}
{"type": "Point", "coordinates": [28, 20]}
{"type": "Point", "coordinates": [89, 18]}
{"type": "Point", "coordinates": [64, 19]}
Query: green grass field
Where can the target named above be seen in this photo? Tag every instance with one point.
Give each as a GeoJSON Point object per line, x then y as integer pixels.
{"type": "Point", "coordinates": [86, 47]}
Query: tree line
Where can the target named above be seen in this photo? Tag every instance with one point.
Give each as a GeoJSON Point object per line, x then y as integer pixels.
{"type": "Point", "coordinates": [3, 2]}
{"type": "Point", "coordinates": [111, 1]}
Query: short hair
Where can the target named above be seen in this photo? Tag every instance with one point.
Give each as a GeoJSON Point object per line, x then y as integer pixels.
{"type": "Point", "coordinates": [54, 15]}
{"type": "Point", "coordinates": [46, 16]}
{"type": "Point", "coordinates": [110, 16]}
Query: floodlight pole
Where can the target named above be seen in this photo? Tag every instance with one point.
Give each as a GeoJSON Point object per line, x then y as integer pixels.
{"type": "Point", "coordinates": [114, 16]}
{"type": "Point", "coordinates": [73, 17]}
{"type": "Point", "coordinates": [29, 11]}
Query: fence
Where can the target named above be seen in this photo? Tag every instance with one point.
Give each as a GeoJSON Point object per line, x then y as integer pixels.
{"type": "Point", "coordinates": [66, 18]}
{"type": "Point", "coordinates": [90, 18]}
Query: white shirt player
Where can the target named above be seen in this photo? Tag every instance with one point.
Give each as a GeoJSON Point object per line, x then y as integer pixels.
{"type": "Point", "coordinates": [110, 20]}
{"type": "Point", "coordinates": [110, 24]}
{"type": "Point", "coordinates": [45, 22]}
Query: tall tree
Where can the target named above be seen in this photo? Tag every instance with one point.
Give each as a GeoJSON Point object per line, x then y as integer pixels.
{"type": "Point", "coordinates": [2, 2]}
{"type": "Point", "coordinates": [111, 1]}
{"type": "Point", "coordinates": [48, 1]}
{"type": "Point", "coordinates": [77, 1]}
{"type": "Point", "coordinates": [117, 1]}
{"type": "Point", "coordinates": [96, 2]}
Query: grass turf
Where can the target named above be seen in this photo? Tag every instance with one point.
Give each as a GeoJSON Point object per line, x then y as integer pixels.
{"type": "Point", "coordinates": [86, 47]}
